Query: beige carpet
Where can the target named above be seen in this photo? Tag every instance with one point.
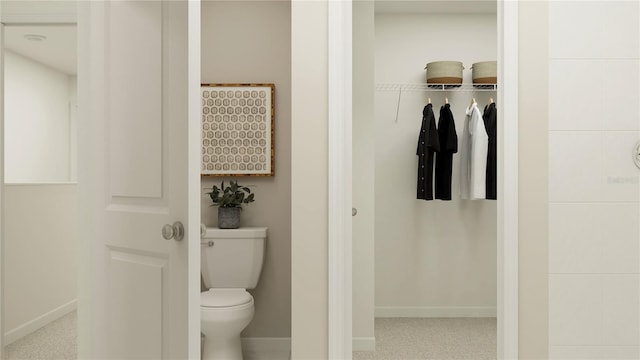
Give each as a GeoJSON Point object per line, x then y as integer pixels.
{"type": "Point", "coordinates": [56, 341]}
{"type": "Point", "coordinates": [396, 339]}
{"type": "Point", "coordinates": [433, 338]}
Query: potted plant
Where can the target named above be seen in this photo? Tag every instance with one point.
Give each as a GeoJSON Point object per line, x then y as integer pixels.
{"type": "Point", "coordinates": [229, 201]}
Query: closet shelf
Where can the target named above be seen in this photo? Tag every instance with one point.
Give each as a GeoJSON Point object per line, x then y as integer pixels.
{"type": "Point", "coordinates": [434, 87]}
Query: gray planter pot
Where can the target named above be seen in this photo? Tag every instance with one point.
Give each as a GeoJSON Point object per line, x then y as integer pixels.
{"type": "Point", "coordinates": [229, 218]}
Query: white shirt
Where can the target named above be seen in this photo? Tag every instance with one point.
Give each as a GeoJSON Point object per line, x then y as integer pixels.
{"type": "Point", "coordinates": [473, 156]}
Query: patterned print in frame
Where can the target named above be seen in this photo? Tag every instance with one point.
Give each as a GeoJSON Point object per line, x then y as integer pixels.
{"type": "Point", "coordinates": [246, 127]}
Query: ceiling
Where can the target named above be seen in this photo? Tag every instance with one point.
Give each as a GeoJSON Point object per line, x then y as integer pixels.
{"type": "Point", "coordinates": [436, 6]}
{"type": "Point", "coordinates": [58, 50]}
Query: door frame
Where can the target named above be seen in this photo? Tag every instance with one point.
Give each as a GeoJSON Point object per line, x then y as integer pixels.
{"type": "Point", "coordinates": [340, 182]}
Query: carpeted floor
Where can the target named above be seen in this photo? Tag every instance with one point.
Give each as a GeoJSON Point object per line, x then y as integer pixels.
{"type": "Point", "coordinates": [433, 338]}
{"type": "Point", "coordinates": [396, 339]}
{"type": "Point", "coordinates": [56, 341]}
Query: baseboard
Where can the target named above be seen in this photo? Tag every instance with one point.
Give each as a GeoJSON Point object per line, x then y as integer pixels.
{"type": "Point", "coordinates": [263, 348]}
{"type": "Point", "coordinates": [35, 324]}
{"type": "Point", "coordinates": [435, 311]}
{"type": "Point", "coordinates": [364, 344]}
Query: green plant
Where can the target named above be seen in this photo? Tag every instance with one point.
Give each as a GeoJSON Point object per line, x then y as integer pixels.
{"type": "Point", "coordinates": [231, 196]}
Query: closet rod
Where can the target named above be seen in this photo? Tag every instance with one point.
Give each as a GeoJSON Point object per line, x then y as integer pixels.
{"type": "Point", "coordinates": [400, 88]}
{"type": "Point", "coordinates": [435, 87]}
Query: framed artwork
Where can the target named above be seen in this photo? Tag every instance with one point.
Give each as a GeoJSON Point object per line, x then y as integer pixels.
{"type": "Point", "coordinates": [238, 129]}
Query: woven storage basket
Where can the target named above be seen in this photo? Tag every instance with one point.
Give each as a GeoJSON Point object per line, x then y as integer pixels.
{"type": "Point", "coordinates": [444, 72]}
{"type": "Point", "coordinates": [485, 72]}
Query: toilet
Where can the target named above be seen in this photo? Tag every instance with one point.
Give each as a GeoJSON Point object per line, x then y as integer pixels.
{"type": "Point", "coordinates": [231, 263]}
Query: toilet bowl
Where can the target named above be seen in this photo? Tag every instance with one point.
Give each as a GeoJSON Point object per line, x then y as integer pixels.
{"type": "Point", "coordinates": [224, 313]}
{"type": "Point", "coordinates": [231, 263]}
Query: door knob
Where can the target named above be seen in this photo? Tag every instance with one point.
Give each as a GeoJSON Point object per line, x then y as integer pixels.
{"type": "Point", "coordinates": [354, 211]}
{"type": "Point", "coordinates": [175, 231]}
{"type": "Point", "coordinates": [636, 154]}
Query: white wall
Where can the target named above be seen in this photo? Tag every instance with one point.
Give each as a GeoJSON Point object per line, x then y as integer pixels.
{"type": "Point", "coordinates": [594, 196]}
{"type": "Point", "coordinates": [533, 175]}
{"type": "Point", "coordinates": [40, 256]}
{"type": "Point", "coordinates": [432, 258]}
{"type": "Point", "coordinates": [309, 179]}
{"type": "Point", "coordinates": [250, 42]}
{"type": "Point", "coordinates": [37, 122]}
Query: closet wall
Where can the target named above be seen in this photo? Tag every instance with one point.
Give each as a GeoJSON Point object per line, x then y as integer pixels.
{"type": "Point", "coordinates": [432, 258]}
{"type": "Point", "coordinates": [250, 42]}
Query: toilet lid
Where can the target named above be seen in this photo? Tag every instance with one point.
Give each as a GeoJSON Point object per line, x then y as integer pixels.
{"type": "Point", "coordinates": [225, 298]}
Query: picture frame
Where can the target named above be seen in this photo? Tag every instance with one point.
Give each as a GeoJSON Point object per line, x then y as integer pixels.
{"type": "Point", "coordinates": [238, 129]}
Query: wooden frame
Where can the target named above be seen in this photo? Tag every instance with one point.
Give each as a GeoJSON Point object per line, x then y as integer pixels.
{"type": "Point", "coordinates": [238, 129]}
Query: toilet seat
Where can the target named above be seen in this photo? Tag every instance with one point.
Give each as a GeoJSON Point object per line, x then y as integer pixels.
{"type": "Point", "coordinates": [225, 298]}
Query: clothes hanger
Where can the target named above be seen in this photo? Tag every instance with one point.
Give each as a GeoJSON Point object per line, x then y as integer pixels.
{"type": "Point", "coordinates": [428, 100]}
{"type": "Point", "coordinates": [490, 101]}
{"type": "Point", "coordinates": [473, 101]}
{"type": "Point", "coordinates": [446, 100]}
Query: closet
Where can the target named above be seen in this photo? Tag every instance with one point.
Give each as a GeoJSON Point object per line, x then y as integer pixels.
{"type": "Point", "coordinates": [430, 259]}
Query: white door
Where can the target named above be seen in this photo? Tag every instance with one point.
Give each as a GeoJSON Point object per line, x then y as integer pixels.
{"type": "Point", "coordinates": [139, 170]}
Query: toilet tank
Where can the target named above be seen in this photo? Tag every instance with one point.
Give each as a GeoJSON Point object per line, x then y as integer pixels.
{"type": "Point", "coordinates": [232, 258]}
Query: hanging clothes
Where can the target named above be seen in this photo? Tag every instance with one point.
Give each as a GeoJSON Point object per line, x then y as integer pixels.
{"type": "Point", "coordinates": [490, 119]}
{"type": "Point", "coordinates": [444, 158]}
{"type": "Point", "coordinates": [427, 144]}
{"type": "Point", "coordinates": [473, 156]}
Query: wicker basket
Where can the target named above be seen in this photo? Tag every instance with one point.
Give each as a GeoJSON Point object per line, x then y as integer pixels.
{"type": "Point", "coordinates": [485, 72]}
{"type": "Point", "coordinates": [444, 72]}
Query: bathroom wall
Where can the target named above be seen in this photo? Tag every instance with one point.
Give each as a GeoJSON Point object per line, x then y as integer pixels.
{"type": "Point", "coordinates": [40, 256]}
{"type": "Point", "coordinates": [309, 144]}
{"type": "Point", "coordinates": [594, 191]}
{"type": "Point", "coordinates": [432, 258]}
{"type": "Point", "coordinates": [250, 42]}
{"type": "Point", "coordinates": [37, 122]}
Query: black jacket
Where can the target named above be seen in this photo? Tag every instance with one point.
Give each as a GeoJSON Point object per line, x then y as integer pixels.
{"type": "Point", "coordinates": [490, 118]}
{"type": "Point", "coordinates": [444, 159]}
{"type": "Point", "coordinates": [428, 143]}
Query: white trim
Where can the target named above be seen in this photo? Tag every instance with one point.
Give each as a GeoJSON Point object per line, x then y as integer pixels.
{"type": "Point", "coordinates": [364, 344]}
{"type": "Point", "coordinates": [193, 183]}
{"type": "Point", "coordinates": [262, 348]}
{"type": "Point", "coordinates": [435, 311]}
{"type": "Point", "coordinates": [508, 171]}
{"type": "Point", "coordinates": [339, 214]}
{"type": "Point", "coordinates": [2, 189]}
{"type": "Point", "coordinates": [39, 322]}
